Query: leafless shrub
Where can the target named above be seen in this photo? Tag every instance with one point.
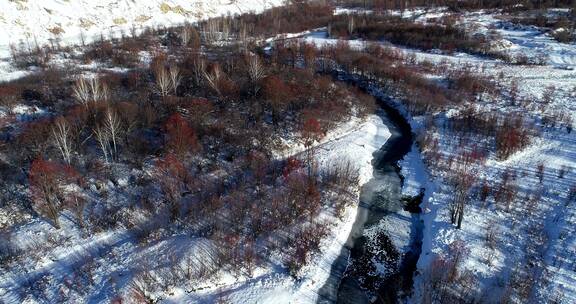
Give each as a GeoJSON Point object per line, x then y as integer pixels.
{"type": "Point", "coordinates": [341, 174]}
{"type": "Point", "coordinates": [141, 288]}
{"type": "Point", "coordinates": [491, 235]}
{"type": "Point", "coordinates": [256, 70]}
{"type": "Point", "coordinates": [302, 245]}
{"type": "Point", "coordinates": [186, 35]}
{"type": "Point", "coordinates": [82, 91]}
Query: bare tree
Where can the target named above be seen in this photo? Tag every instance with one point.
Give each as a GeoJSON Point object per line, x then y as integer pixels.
{"type": "Point", "coordinates": [104, 93]}
{"type": "Point", "coordinates": [76, 202]}
{"type": "Point", "coordinates": [103, 138]}
{"type": "Point", "coordinates": [351, 25]}
{"type": "Point", "coordinates": [175, 78]}
{"type": "Point", "coordinates": [243, 36]}
{"type": "Point", "coordinates": [210, 30]}
{"type": "Point", "coordinates": [113, 124]}
{"type": "Point", "coordinates": [256, 72]}
{"type": "Point", "coordinates": [61, 132]}
{"type": "Point", "coordinates": [163, 82]}
{"type": "Point", "coordinates": [47, 181]}
{"type": "Point", "coordinates": [462, 183]}
{"type": "Point", "coordinates": [82, 91]}
{"type": "Point", "coordinates": [255, 69]}
{"type": "Point", "coordinates": [225, 33]}
{"type": "Point", "coordinates": [186, 35]}
{"type": "Point", "coordinates": [93, 90]}
{"type": "Point", "coordinates": [199, 68]}
{"type": "Point", "coordinates": [99, 90]}
{"type": "Point", "coordinates": [213, 78]}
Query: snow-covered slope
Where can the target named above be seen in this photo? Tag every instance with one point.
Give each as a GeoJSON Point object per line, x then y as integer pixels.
{"type": "Point", "coordinates": [29, 20]}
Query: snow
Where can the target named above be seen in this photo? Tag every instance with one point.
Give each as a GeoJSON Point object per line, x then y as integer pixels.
{"type": "Point", "coordinates": [554, 147]}
{"type": "Point", "coordinates": [414, 172]}
{"type": "Point", "coordinates": [37, 20]}
{"type": "Point", "coordinates": [356, 142]}
{"type": "Point", "coordinates": [27, 23]}
{"type": "Point", "coordinates": [116, 254]}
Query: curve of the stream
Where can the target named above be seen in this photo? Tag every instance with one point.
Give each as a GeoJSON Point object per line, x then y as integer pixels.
{"type": "Point", "coordinates": [353, 277]}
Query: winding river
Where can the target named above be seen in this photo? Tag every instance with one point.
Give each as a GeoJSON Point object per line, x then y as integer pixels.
{"type": "Point", "coordinates": [354, 278]}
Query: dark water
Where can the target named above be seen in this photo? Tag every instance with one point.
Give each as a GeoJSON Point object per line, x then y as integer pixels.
{"type": "Point", "coordinates": [353, 278]}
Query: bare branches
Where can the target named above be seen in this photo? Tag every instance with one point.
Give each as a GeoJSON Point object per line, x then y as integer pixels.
{"type": "Point", "coordinates": [61, 132]}
{"type": "Point", "coordinates": [47, 180]}
{"type": "Point", "coordinates": [186, 35]}
{"type": "Point", "coordinates": [103, 138]}
{"type": "Point", "coordinates": [216, 29]}
{"type": "Point", "coordinates": [167, 79]}
{"type": "Point", "coordinates": [113, 125]}
{"type": "Point", "coordinates": [213, 78]}
{"type": "Point", "coordinates": [92, 90]}
{"type": "Point", "coordinates": [82, 91]}
{"type": "Point", "coordinates": [199, 67]}
{"type": "Point", "coordinates": [108, 134]}
{"type": "Point", "coordinates": [255, 69]}
{"type": "Point", "coordinates": [163, 83]}
{"type": "Point", "coordinates": [175, 78]}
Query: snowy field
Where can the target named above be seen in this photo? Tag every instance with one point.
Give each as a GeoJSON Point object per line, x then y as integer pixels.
{"type": "Point", "coordinates": [541, 222]}
{"type": "Point", "coordinates": [538, 229]}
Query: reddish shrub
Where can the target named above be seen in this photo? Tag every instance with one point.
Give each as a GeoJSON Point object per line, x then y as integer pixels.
{"type": "Point", "coordinates": [181, 138]}
{"type": "Point", "coordinates": [46, 180]}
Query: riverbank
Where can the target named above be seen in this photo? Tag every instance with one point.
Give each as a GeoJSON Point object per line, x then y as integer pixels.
{"type": "Point", "coordinates": [383, 231]}
{"type": "Point", "coordinates": [356, 142]}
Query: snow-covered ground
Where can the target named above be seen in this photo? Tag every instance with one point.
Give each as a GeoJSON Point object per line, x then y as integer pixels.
{"type": "Point", "coordinates": [27, 23]}
{"type": "Point", "coordinates": [547, 226]}
{"type": "Point", "coordinates": [543, 230]}
{"type": "Point", "coordinates": [115, 254]}
{"type": "Point", "coordinates": [30, 21]}
{"type": "Point", "coordinates": [356, 144]}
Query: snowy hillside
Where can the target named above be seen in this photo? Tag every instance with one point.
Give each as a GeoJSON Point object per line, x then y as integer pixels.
{"type": "Point", "coordinates": [26, 21]}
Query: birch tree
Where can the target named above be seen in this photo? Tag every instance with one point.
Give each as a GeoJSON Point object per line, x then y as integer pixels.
{"type": "Point", "coordinates": [213, 78]}
{"type": "Point", "coordinates": [93, 90]}
{"type": "Point", "coordinates": [103, 138]}
{"type": "Point", "coordinates": [199, 68]}
{"type": "Point", "coordinates": [175, 78]}
{"type": "Point", "coordinates": [255, 69]}
{"type": "Point", "coordinates": [256, 72]}
{"type": "Point", "coordinates": [163, 82]}
{"type": "Point", "coordinates": [61, 133]}
{"type": "Point", "coordinates": [82, 91]}
{"type": "Point", "coordinates": [113, 126]}
{"type": "Point", "coordinates": [186, 35]}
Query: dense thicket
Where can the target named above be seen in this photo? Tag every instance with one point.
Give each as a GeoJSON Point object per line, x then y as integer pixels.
{"type": "Point", "coordinates": [457, 4]}
{"type": "Point", "coordinates": [445, 36]}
